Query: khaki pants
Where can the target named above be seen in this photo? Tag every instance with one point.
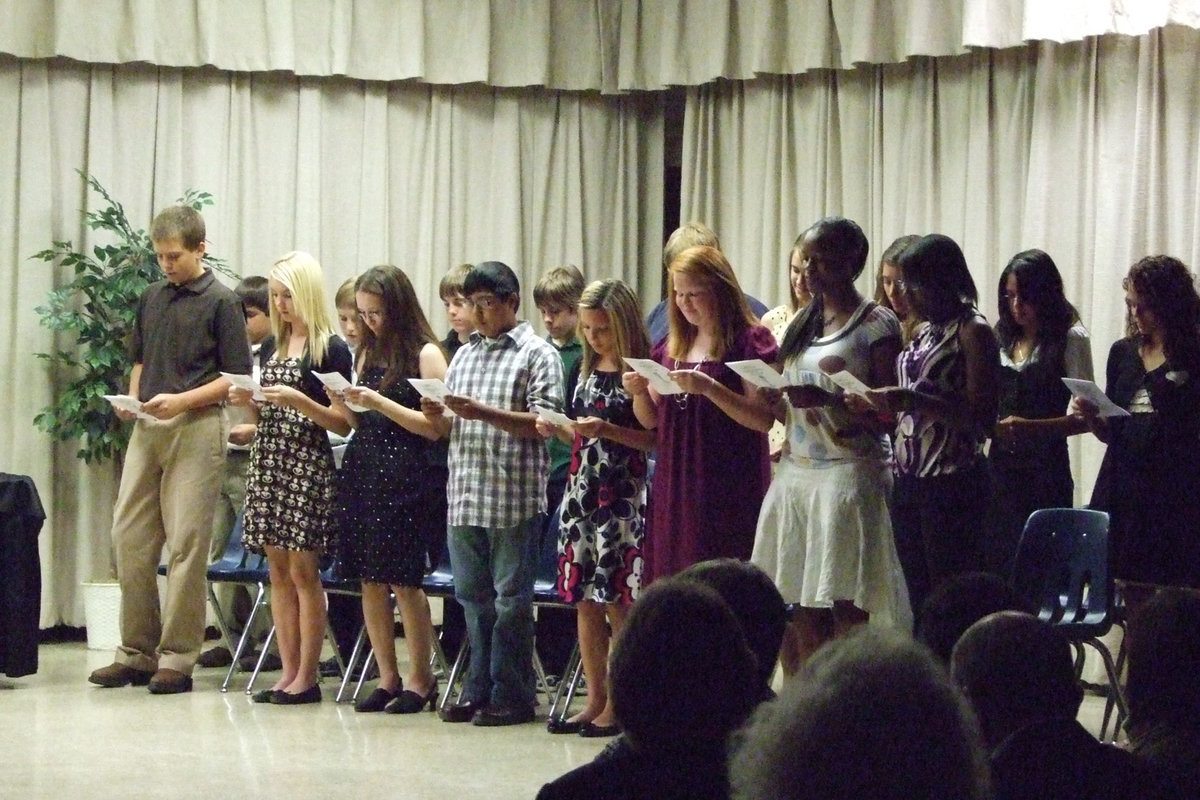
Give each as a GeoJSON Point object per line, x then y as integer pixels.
{"type": "Point", "coordinates": [169, 487]}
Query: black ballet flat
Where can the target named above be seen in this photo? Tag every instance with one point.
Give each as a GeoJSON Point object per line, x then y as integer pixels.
{"type": "Point", "coordinates": [564, 726]}
{"type": "Point", "coordinates": [265, 696]}
{"type": "Point", "coordinates": [592, 731]}
{"type": "Point", "coordinates": [310, 695]}
{"type": "Point", "coordinates": [376, 700]}
{"type": "Point", "coordinates": [409, 702]}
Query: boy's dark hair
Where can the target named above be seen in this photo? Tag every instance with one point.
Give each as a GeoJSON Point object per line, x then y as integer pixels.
{"type": "Point", "coordinates": [179, 222]}
{"type": "Point", "coordinates": [494, 277]}
{"type": "Point", "coordinates": [560, 287]}
{"type": "Point", "coordinates": [252, 290]}
{"type": "Point", "coordinates": [453, 281]}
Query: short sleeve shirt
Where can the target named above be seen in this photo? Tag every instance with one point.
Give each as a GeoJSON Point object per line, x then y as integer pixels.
{"type": "Point", "coordinates": [186, 335]}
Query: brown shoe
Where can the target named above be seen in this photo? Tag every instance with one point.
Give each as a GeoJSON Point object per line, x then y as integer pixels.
{"type": "Point", "coordinates": [170, 681]}
{"type": "Point", "coordinates": [115, 675]}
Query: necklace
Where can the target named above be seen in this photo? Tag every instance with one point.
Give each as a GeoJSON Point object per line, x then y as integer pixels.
{"type": "Point", "coordinates": [681, 399]}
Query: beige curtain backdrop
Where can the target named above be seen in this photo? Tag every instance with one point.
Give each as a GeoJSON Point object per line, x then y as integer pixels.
{"type": "Point", "coordinates": [357, 173]}
{"type": "Point", "coordinates": [1088, 150]}
{"type": "Point", "coordinates": [605, 45]}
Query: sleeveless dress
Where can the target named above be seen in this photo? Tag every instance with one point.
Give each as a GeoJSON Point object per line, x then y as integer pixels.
{"type": "Point", "coordinates": [711, 472]}
{"type": "Point", "coordinates": [391, 496]}
{"type": "Point", "coordinates": [290, 479]}
{"type": "Point", "coordinates": [824, 533]}
{"type": "Point", "coordinates": [1034, 473]}
{"type": "Point", "coordinates": [602, 516]}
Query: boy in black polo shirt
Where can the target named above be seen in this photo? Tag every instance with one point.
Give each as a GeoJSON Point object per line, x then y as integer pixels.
{"type": "Point", "coordinates": [189, 329]}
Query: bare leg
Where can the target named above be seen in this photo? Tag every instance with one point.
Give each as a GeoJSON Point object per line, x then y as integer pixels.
{"type": "Point", "coordinates": [418, 637]}
{"type": "Point", "coordinates": [310, 597]}
{"type": "Point", "coordinates": [381, 630]}
{"type": "Point", "coordinates": [616, 619]}
{"type": "Point", "coordinates": [847, 616]}
{"type": "Point", "coordinates": [285, 612]}
{"type": "Point", "coordinates": [593, 650]}
{"type": "Point", "coordinates": [809, 629]}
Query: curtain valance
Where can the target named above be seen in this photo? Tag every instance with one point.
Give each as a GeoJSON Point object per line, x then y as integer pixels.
{"type": "Point", "coordinates": [595, 45]}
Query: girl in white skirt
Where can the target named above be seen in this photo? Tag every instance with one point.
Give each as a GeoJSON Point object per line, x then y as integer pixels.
{"type": "Point", "coordinates": [824, 533]}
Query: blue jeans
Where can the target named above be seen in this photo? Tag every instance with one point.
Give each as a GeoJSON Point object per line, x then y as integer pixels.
{"type": "Point", "coordinates": [493, 580]}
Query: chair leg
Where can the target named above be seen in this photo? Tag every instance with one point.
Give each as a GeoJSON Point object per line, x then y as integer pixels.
{"type": "Point", "coordinates": [1114, 687]}
{"type": "Point", "coordinates": [261, 657]}
{"type": "Point", "coordinates": [348, 669]}
{"type": "Point", "coordinates": [244, 639]}
{"type": "Point", "coordinates": [542, 683]}
{"type": "Point", "coordinates": [226, 636]}
{"type": "Point", "coordinates": [451, 696]}
{"type": "Point", "coordinates": [564, 693]}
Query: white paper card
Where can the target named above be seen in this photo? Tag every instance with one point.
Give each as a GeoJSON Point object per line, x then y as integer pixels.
{"type": "Point", "coordinates": [758, 372]}
{"type": "Point", "coordinates": [247, 383]}
{"type": "Point", "coordinates": [555, 418]}
{"type": "Point", "coordinates": [851, 384]}
{"type": "Point", "coordinates": [338, 383]}
{"type": "Point", "coordinates": [658, 375]}
{"type": "Point", "coordinates": [434, 389]}
{"type": "Point", "coordinates": [1089, 391]}
{"type": "Point", "coordinates": [127, 403]}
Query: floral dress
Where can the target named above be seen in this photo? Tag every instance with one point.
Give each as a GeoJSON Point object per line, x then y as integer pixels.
{"type": "Point", "coordinates": [603, 514]}
{"type": "Point", "coordinates": [290, 479]}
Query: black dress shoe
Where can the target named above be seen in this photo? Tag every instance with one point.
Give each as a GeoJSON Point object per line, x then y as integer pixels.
{"type": "Point", "coordinates": [310, 695]}
{"type": "Point", "coordinates": [377, 700]}
{"type": "Point", "coordinates": [592, 731]}
{"type": "Point", "coordinates": [264, 696]}
{"type": "Point", "coordinates": [496, 715]}
{"type": "Point", "coordinates": [460, 712]}
{"type": "Point", "coordinates": [564, 726]}
{"type": "Point", "coordinates": [409, 702]}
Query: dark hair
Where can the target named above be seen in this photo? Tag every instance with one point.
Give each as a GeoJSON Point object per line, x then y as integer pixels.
{"type": "Point", "coordinates": [1167, 287]}
{"type": "Point", "coordinates": [494, 277]}
{"type": "Point", "coordinates": [935, 265]}
{"type": "Point", "coordinates": [754, 600]}
{"type": "Point", "coordinates": [956, 604]}
{"type": "Point", "coordinates": [870, 715]}
{"type": "Point", "coordinates": [678, 635]}
{"type": "Point", "coordinates": [1015, 669]}
{"type": "Point", "coordinates": [405, 331]}
{"type": "Point", "coordinates": [179, 222]}
{"type": "Point", "coordinates": [1041, 286]}
{"type": "Point", "coordinates": [252, 291]}
{"type": "Point", "coordinates": [836, 240]}
{"type": "Point", "coordinates": [890, 256]}
{"type": "Point", "coordinates": [1164, 660]}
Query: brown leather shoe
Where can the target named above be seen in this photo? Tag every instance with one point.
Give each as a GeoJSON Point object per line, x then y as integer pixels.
{"type": "Point", "coordinates": [170, 681]}
{"type": "Point", "coordinates": [115, 675]}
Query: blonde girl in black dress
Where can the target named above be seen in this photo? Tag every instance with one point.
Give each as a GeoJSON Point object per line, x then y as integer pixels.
{"type": "Point", "coordinates": [290, 481]}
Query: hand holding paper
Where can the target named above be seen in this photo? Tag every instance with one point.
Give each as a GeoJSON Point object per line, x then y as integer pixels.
{"type": "Point", "coordinates": [758, 372]}
{"type": "Point", "coordinates": [555, 418]}
{"type": "Point", "coordinates": [1088, 390]}
{"type": "Point", "coordinates": [246, 383]}
{"type": "Point", "coordinates": [128, 404]}
{"type": "Point", "coordinates": [654, 372]}
{"type": "Point", "coordinates": [338, 383]}
{"type": "Point", "coordinates": [435, 389]}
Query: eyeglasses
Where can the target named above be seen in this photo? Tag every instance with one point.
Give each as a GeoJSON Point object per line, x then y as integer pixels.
{"type": "Point", "coordinates": [370, 316]}
{"type": "Point", "coordinates": [486, 302]}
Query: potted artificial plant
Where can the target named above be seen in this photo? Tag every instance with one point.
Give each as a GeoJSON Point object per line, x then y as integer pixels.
{"type": "Point", "coordinates": [98, 306]}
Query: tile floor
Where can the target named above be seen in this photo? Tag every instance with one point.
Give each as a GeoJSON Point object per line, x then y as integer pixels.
{"type": "Point", "coordinates": [64, 738]}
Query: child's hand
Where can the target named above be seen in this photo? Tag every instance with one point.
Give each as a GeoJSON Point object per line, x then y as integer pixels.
{"type": "Point", "coordinates": [362, 396]}
{"type": "Point", "coordinates": [282, 396]}
{"type": "Point", "coordinates": [165, 406]}
{"type": "Point", "coordinates": [242, 434]}
{"type": "Point", "coordinates": [240, 397]}
{"type": "Point", "coordinates": [634, 383]}
{"type": "Point", "coordinates": [546, 429]}
{"type": "Point", "coordinates": [808, 396]}
{"type": "Point", "coordinates": [465, 407]}
{"type": "Point", "coordinates": [589, 427]}
{"type": "Point", "coordinates": [892, 399]}
{"type": "Point", "coordinates": [857, 404]}
{"type": "Point", "coordinates": [693, 381]}
{"type": "Point", "coordinates": [432, 409]}
{"type": "Point", "coordinates": [336, 400]}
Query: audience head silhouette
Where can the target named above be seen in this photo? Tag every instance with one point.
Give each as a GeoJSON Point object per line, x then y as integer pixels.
{"type": "Point", "coordinates": [870, 715]}
{"type": "Point", "coordinates": [957, 604]}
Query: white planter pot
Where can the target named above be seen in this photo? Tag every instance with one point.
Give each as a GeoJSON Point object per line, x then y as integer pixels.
{"type": "Point", "coordinates": [102, 614]}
